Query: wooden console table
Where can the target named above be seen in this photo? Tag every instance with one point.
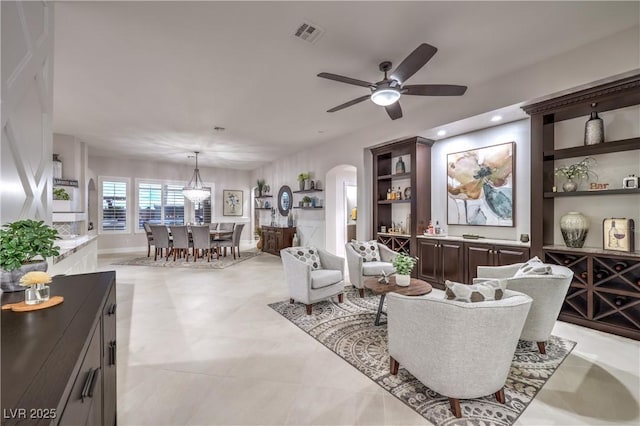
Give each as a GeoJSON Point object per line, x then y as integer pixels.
{"type": "Point", "coordinates": [59, 364]}
{"type": "Point", "coordinates": [276, 238]}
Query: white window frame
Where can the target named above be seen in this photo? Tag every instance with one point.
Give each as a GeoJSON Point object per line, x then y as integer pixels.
{"type": "Point", "coordinates": [127, 182]}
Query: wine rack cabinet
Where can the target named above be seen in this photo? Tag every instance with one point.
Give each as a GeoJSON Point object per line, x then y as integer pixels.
{"type": "Point", "coordinates": [605, 292]}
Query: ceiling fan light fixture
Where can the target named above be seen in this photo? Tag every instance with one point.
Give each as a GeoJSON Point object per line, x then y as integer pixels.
{"type": "Point", "coordinates": [195, 191]}
{"type": "Point", "coordinates": [385, 96]}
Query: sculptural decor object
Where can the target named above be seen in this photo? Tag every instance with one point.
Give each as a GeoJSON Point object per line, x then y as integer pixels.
{"type": "Point", "coordinates": [574, 227]}
{"type": "Point", "coordinates": [480, 188]}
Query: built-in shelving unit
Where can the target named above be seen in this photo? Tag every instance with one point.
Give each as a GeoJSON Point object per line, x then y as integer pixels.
{"type": "Point", "coordinates": [415, 180]}
{"type": "Point", "coordinates": [307, 191]}
{"type": "Point", "coordinates": [605, 292]}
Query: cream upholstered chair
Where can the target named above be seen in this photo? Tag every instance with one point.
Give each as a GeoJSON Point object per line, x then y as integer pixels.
{"type": "Point", "coordinates": [201, 239]}
{"type": "Point", "coordinates": [309, 285]}
{"type": "Point", "coordinates": [233, 242]}
{"type": "Point", "coordinates": [147, 230]}
{"type": "Point", "coordinates": [547, 291]}
{"type": "Point", "coordinates": [460, 350]}
{"type": "Point", "coordinates": [161, 240]}
{"type": "Point", "coordinates": [359, 269]}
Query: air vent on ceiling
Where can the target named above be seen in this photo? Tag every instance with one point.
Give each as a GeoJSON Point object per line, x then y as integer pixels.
{"type": "Point", "coordinates": [309, 32]}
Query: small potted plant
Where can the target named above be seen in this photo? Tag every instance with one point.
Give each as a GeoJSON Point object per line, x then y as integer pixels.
{"type": "Point", "coordinates": [403, 265]}
{"type": "Point", "coordinates": [306, 201]}
{"type": "Point", "coordinates": [61, 200]}
{"type": "Point", "coordinates": [261, 184]}
{"type": "Point", "coordinates": [576, 171]}
{"type": "Point", "coordinates": [302, 177]}
{"type": "Point", "coordinates": [24, 247]}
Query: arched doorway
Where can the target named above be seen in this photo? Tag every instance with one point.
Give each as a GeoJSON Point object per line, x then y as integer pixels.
{"type": "Point", "coordinates": [340, 207]}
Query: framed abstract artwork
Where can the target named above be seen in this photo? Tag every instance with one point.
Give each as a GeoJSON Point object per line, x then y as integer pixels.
{"type": "Point", "coordinates": [233, 200]}
{"type": "Point", "coordinates": [480, 186]}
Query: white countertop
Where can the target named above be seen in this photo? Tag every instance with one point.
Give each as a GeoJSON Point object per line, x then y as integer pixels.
{"type": "Point", "coordinates": [70, 246]}
{"type": "Point", "coordinates": [478, 240]}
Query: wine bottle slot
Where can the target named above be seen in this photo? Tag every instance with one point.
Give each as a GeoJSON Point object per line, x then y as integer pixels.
{"type": "Point", "coordinates": [620, 266]}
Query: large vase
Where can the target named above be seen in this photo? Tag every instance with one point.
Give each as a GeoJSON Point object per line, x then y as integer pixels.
{"type": "Point", "coordinates": [10, 280]}
{"type": "Point", "coordinates": [593, 130]}
{"type": "Point", "coordinates": [574, 227]}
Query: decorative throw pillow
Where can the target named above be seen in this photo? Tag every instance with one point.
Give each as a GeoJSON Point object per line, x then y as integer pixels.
{"type": "Point", "coordinates": [486, 290]}
{"type": "Point", "coordinates": [308, 255]}
{"type": "Point", "coordinates": [367, 249]}
{"type": "Point", "coordinates": [533, 266]}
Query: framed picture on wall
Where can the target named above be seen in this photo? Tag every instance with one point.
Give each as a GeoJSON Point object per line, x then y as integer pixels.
{"type": "Point", "coordinates": [233, 200]}
{"type": "Point", "coordinates": [480, 186]}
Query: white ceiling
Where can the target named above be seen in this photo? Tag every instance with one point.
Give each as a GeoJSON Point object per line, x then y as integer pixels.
{"type": "Point", "coordinates": [150, 80]}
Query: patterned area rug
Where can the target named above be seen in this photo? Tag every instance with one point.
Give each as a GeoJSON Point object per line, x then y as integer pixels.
{"type": "Point", "coordinates": [347, 329]}
{"type": "Point", "coordinates": [223, 262]}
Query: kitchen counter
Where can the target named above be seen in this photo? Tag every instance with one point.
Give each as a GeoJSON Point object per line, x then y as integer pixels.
{"type": "Point", "coordinates": [71, 246]}
{"type": "Point", "coordinates": [478, 240]}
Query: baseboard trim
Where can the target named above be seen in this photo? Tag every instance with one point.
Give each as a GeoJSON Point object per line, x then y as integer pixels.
{"type": "Point", "coordinates": [141, 250]}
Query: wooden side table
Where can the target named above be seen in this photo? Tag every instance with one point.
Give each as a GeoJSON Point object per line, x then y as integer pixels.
{"type": "Point", "coordinates": [416, 288]}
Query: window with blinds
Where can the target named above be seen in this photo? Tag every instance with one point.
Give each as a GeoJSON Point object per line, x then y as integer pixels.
{"type": "Point", "coordinates": [173, 205]}
{"type": "Point", "coordinates": [160, 204]}
{"type": "Point", "coordinates": [203, 210]}
{"type": "Point", "coordinates": [114, 206]}
{"type": "Point", "coordinates": [149, 204]}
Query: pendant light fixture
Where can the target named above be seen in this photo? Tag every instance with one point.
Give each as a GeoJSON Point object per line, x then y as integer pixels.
{"type": "Point", "coordinates": [195, 191]}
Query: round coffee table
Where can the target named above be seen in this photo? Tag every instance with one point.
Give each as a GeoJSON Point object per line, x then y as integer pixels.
{"type": "Point", "coordinates": [416, 288]}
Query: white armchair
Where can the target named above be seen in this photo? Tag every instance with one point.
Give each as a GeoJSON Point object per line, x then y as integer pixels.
{"type": "Point", "coordinates": [310, 286]}
{"type": "Point", "coordinates": [460, 350]}
{"type": "Point", "coordinates": [547, 291]}
{"type": "Point", "coordinates": [359, 269]}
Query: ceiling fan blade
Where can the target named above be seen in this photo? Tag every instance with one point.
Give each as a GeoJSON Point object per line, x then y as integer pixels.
{"type": "Point", "coordinates": [434, 90]}
{"type": "Point", "coordinates": [394, 110]}
{"type": "Point", "coordinates": [413, 62]}
{"type": "Point", "coordinates": [348, 104]}
{"type": "Point", "coordinates": [343, 79]}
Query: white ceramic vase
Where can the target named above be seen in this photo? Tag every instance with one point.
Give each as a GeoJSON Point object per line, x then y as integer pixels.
{"type": "Point", "coordinates": [403, 280]}
{"type": "Point", "coordinates": [574, 227]}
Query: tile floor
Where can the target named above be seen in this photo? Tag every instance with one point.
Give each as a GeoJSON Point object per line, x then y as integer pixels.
{"type": "Point", "coordinates": [203, 348]}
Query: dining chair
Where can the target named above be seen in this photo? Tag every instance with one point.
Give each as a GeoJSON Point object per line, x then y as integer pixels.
{"type": "Point", "coordinates": [213, 226]}
{"type": "Point", "coordinates": [201, 241]}
{"type": "Point", "coordinates": [181, 242]}
{"type": "Point", "coordinates": [232, 242]}
{"type": "Point", "coordinates": [226, 226]}
{"type": "Point", "coordinates": [161, 240]}
{"type": "Point", "coordinates": [147, 230]}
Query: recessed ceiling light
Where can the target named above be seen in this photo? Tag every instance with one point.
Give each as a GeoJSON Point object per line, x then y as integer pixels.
{"type": "Point", "coordinates": [442, 132]}
{"type": "Point", "coordinates": [496, 118]}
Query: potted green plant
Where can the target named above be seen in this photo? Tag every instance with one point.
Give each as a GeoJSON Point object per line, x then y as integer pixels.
{"type": "Point", "coordinates": [576, 171]}
{"type": "Point", "coordinates": [260, 183]}
{"type": "Point", "coordinates": [61, 200]}
{"type": "Point", "coordinates": [302, 177]}
{"type": "Point", "coordinates": [306, 201]}
{"type": "Point", "coordinates": [24, 246]}
{"type": "Point", "coordinates": [403, 265]}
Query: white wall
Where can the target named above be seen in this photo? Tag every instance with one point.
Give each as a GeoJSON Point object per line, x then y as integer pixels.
{"type": "Point", "coordinates": [518, 132]}
{"type": "Point", "coordinates": [27, 100]}
{"type": "Point", "coordinates": [615, 54]}
{"type": "Point", "coordinates": [218, 179]}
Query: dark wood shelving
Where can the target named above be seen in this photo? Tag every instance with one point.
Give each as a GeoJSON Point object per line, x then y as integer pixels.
{"type": "Point", "coordinates": [308, 208]}
{"type": "Point", "coordinates": [264, 196]}
{"type": "Point", "coordinates": [396, 176]}
{"type": "Point", "coordinates": [588, 150]}
{"type": "Point", "coordinates": [307, 191]}
{"type": "Point", "coordinates": [393, 201]}
{"type": "Point", "coordinates": [583, 193]}
{"type": "Point", "coordinates": [263, 208]}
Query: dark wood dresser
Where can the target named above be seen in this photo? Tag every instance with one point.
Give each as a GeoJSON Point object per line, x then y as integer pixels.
{"type": "Point", "coordinates": [276, 238]}
{"type": "Point", "coordinates": [59, 364]}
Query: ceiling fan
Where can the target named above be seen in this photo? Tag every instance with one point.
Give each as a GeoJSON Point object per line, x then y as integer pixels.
{"type": "Point", "coordinates": [387, 92]}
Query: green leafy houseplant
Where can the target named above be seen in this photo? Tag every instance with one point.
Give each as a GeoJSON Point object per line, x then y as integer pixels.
{"type": "Point", "coordinates": [24, 240]}
{"type": "Point", "coordinates": [403, 264]}
{"type": "Point", "coordinates": [303, 176]}
{"type": "Point", "coordinates": [261, 183]}
{"type": "Point", "coordinates": [60, 194]}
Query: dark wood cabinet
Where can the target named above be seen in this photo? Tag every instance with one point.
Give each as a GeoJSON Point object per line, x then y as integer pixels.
{"type": "Point", "coordinates": [491, 255]}
{"type": "Point", "coordinates": [589, 301]}
{"type": "Point", "coordinates": [55, 369]}
{"type": "Point", "coordinates": [440, 260]}
{"type": "Point", "coordinates": [275, 239]}
{"type": "Point", "coordinates": [402, 167]}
